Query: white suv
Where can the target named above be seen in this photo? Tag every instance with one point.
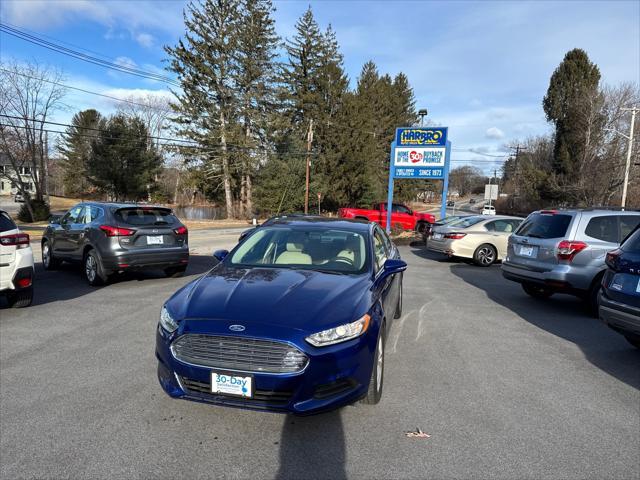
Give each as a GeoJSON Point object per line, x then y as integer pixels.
{"type": "Point", "coordinates": [16, 264]}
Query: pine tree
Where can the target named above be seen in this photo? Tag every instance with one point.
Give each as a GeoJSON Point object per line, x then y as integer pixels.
{"type": "Point", "coordinates": [75, 148]}
{"type": "Point", "coordinates": [205, 63]}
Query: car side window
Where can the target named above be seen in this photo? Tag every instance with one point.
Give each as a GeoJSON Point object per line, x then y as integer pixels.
{"type": "Point", "coordinates": [71, 216]}
{"type": "Point", "coordinates": [379, 249]}
{"type": "Point", "coordinates": [603, 228]}
{"type": "Point", "coordinates": [400, 209]}
{"type": "Point", "coordinates": [92, 213]}
{"type": "Point", "coordinates": [627, 224]}
{"type": "Point", "coordinates": [490, 226]}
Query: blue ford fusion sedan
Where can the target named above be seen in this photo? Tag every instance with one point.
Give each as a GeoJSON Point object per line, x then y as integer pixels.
{"type": "Point", "coordinates": [293, 319]}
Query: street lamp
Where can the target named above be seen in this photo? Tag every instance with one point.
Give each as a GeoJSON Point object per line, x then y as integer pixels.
{"type": "Point", "coordinates": [422, 113]}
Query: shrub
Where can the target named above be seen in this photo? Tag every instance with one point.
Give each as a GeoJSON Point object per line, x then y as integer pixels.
{"type": "Point", "coordinates": [40, 211]}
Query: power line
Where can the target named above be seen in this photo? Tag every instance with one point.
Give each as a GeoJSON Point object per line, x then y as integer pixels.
{"type": "Point", "coordinates": [71, 87]}
{"type": "Point", "coordinates": [83, 56]}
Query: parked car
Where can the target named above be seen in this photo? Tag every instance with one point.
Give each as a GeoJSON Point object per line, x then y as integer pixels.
{"type": "Point", "coordinates": [402, 217]}
{"type": "Point", "coordinates": [428, 231]}
{"type": "Point", "coordinates": [18, 198]}
{"type": "Point", "coordinates": [472, 200]}
{"type": "Point", "coordinates": [451, 203]}
{"type": "Point", "coordinates": [115, 237]}
{"type": "Point", "coordinates": [476, 237]}
{"type": "Point", "coordinates": [293, 319]}
{"type": "Point", "coordinates": [488, 210]}
{"type": "Point", "coordinates": [16, 264]}
{"type": "Point", "coordinates": [620, 293]}
{"type": "Point", "coordinates": [563, 251]}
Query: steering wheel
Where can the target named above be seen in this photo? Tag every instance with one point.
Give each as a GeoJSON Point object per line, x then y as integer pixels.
{"type": "Point", "coordinates": [346, 260]}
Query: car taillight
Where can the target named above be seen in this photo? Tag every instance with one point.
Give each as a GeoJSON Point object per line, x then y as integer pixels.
{"type": "Point", "coordinates": [611, 258]}
{"type": "Point", "coordinates": [116, 231]}
{"type": "Point", "coordinates": [19, 240]}
{"type": "Point", "coordinates": [181, 230]}
{"type": "Point", "coordinates": [568, 249]}
{"type": "Point", "coordinates": [455, 236]}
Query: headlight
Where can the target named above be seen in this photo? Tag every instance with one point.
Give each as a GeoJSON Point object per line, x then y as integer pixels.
{"type": "Point", "coordinates": [167, 321]}
{"type": "Point", "coordinates": [340, 334]}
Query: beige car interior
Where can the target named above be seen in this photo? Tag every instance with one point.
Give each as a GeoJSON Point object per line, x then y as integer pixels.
{"type": "Point", "coordinates": [294, 253]}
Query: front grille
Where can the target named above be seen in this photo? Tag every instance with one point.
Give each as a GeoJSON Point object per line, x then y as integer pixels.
{"type": "Point", "coordinates": [238, 353]}
{"type": "Point", "coordinates": [275, 398]}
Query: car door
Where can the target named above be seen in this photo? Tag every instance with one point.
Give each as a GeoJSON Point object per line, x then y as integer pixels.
{"type": "Point", "coordinates": [500, 231]}
{"type": "Point", "coordinates": [403, 216]}
{"type": "Point", "coordinates": [380, 255]}
{"type": "Point", "coordinates": [61, 243]}
{"type": "Point", "coordinates": [76, 232]}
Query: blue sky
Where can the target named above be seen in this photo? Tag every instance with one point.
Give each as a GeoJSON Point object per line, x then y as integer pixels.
{"type": "Point", "coordinates": [480, 67]}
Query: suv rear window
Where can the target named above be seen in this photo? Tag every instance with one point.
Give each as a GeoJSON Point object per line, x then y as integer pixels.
{"type": "Point", "coordinates": [632, 244]}
{"type": "Point", "coordinates": [6, 223]}
{"type": "Point", "coordinates": [540, 225]}
{"type": "Point", "coordinates": [145, 216]}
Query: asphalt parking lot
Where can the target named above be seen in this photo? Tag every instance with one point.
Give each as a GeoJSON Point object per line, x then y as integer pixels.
{"type": "Point", "coordinates": [506, 387]}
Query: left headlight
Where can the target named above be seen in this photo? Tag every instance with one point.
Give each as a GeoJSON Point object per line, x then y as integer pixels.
{"type": "Point", "coordinates": [341, 333]}
{"type": "Point", "coordinates": [166, 321]}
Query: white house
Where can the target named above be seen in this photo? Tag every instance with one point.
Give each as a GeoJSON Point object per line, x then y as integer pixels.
{"type": "Point", "coordinates": [6, 186]}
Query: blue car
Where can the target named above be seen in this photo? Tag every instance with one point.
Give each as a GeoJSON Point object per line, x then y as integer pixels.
{"type": "Point", "coordinates": [293, 319]}
{"type": "Point", "coordinates": [620, 294]}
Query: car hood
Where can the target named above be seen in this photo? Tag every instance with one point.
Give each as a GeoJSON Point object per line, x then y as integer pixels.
{"type": "Point", "coordinates": [301, 299]}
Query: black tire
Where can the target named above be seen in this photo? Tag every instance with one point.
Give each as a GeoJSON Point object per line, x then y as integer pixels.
{"type": "Point", "coordinates": [93, 270]}
{"type": "Point", "coordinates": [20, 298]}
{"type": "Point", "coordinates": [374, 393]}
{"type": "Point", "coordinates": [398, 313]}
{"type": "Point", "coordinates": [633, 339]}
{"type": "Point", "coordinates": [49, 262]}
{"type": "Point", "coordinates": [593, 300]}
{"type": "Point", "coordinates": [485, 255]}
{"type": "Point", "coordinates": [421, 227]}
{"type": "Point", "coordinates": [175, 272]}
{"type": "Point", "coordinates": [537, 291]}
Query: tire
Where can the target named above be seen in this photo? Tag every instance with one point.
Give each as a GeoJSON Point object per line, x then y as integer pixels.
{"type": "Point", "coordinates": [49, 262]}
{"type": "Point", "coordinates": [421, 226]}
{"type": "Point", "coordinates": [93, 270]}
{"type": "Point", "coordinates": [485, 255]}
{"type": "Point", "coordinates": [175, 272]}
{"type": "Point", "coordinates": [398, 313]}
{"type": "Point", "coordinates": [374, 393]}
{"type": "Point", "coordinates": [633, 340]}
{"type": "Point", "coordinates": [536, 291]}
{"type": "Point", "coordinates": [593, 302]}
{"type": "Point", "coordinates": [20, 298]}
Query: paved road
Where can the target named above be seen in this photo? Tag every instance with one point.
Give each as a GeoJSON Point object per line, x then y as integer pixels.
{"type": "Point", "coordinates": [8, 205]}
{"type": "Point", "coordinates": [507, 387]}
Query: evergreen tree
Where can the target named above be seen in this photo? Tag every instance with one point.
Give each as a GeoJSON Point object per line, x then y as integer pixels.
{"type": "Point", "coordinates": [205, 63]}
{"type": "Point", "coordinates": [122, 163]}
{"type": "Point", "coordinates": [75, 148]}
{"type": "Point", "coordinates": [573, 86]}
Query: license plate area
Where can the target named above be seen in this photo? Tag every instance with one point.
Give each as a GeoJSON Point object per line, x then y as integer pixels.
{"type": "Point", "coordinates": [437, 236]}
{"type": "Point", "coordinates": [155, 240]}
{"type": "Point", "coordinates": [232, 384]}
{"type": "Point", "coordinates": [526, 251]}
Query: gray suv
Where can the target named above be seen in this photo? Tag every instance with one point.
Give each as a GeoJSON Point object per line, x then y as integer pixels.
{"type": "Point", "coordinates": [116, 237]}
{"type": "Point", "coordinates": [563, 251]}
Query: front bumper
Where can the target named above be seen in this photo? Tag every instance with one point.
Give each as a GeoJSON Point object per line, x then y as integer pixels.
{"type": "Point", "coordinates": [336, 375]}
{"type": "Point", "coordinates": [149, 259]}
{"type": "Point", "coordinates": [619, 316]}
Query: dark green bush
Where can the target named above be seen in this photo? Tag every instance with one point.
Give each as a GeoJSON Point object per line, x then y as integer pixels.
{"type": "Point", "coordinates": [40, 211]}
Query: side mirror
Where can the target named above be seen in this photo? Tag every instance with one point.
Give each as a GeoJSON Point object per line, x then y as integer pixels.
{"type": "Point", "coordinates": [393, 266]}
{"type": "Point", "coordinates": [220, 254]}
{"type": "Point", "coordinates": [53, 219]}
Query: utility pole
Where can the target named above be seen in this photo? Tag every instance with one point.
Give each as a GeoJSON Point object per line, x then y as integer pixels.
{"type": "Point", "coordinates": [518, 149]}
{"type": "Point", "coordinates": [629, 149]}
{"type": "Point", "coordinates": [309, 142]}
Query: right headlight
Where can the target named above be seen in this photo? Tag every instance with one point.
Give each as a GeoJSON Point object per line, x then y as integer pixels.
{"type": "Point", "coordinates": [167, 322]}
{"type": "Point", "coordinates": [341, 333]}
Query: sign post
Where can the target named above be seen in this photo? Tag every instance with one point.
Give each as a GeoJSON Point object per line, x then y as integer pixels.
{"type": "Point", "coordinates": [419, 152]}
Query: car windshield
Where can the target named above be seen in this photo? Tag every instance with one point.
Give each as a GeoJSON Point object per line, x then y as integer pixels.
{"type": "Point", "coordinates": [325, 250]}
{"type": "Point", "coordinates": [467, 222]}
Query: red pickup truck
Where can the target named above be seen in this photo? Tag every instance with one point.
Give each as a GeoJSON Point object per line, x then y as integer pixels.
{"type": "Point", "coordinates": [401, 216]}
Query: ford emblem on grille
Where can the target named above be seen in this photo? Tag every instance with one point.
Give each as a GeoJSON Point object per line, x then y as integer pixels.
{"type": "Point", "coordinates": [237, 328]}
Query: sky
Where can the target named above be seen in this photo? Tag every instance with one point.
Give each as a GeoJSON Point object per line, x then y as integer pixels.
{"type": "Point", "coordinates": [480, 68]}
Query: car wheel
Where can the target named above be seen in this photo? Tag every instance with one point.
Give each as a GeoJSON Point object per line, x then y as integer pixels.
{"type": "Point", "coordinates": [49, 262]}
{"type": "Point", "coordinates": [536, 291]}
{"type": "Point", "coordinates": [421, 227]}
{"type": "Point", "coordinates": [485, 255]}
{"type": "Point", "coordinates": [593, 296]}
{"type": "Point", "coordinates": [374, 394]}
{"type": "Point", "coordinates": [175, 272]}
{"type": "Point", "coordinates": [20, 298]}
{"type": "Point", "coordinates": [93, 270]}
{"type": "Point", "coordinates": [398, 313]}
{"type": "Point", "coordinates": [633, 340]}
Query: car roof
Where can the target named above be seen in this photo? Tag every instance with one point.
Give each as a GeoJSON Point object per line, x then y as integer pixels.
{"type": "Point", "coordinates": [319, 221]}
{"type": "Point", "coordinates": [121, 204]}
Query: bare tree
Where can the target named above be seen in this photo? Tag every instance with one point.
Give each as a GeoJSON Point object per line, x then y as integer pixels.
{"type": "Point", "coordinates": [29, 95]}
{"type": "Point", "coordinates": [153, 110]}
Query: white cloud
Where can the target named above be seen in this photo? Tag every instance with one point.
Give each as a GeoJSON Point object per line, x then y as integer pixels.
{"type": "Point", "coordinates": [494, 133]}
{"type": "Point", "coordinates": [145, 39]}
{"type": "Point", "coordinates": [125, 62]}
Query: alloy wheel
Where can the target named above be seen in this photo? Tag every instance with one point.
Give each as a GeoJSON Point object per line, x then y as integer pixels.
{"type": "Point", "coordinates": [379, 363]}
{"type": "Point", "coordinates": [46, 255]}
{"type": "Point", "coordinates": [91, 268]}
{"type": "Point", "coordinates": [486, 256]}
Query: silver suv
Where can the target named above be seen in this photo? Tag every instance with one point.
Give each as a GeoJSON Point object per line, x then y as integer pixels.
{"type": "Point", "coordinates": [563, 251]}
